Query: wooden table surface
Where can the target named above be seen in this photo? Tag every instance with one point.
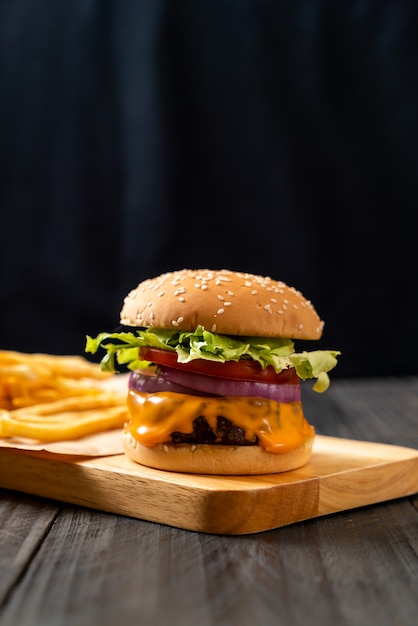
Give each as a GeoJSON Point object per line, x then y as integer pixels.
{"type": "Point", "coordinates": [64, 565]}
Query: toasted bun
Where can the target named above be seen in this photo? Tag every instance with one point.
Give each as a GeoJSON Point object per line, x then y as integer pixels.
{"type": "Point", "coordinates": [222, 301]}
{"type": "Point", "coordinates": [217, 459]}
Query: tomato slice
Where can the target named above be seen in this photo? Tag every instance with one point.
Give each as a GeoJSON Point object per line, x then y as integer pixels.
{"type": "Point", "coordinates": [237, 370]}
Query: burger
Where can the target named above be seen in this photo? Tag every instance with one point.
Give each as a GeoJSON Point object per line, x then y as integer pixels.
{"type": "Point", "coordinates": [215, 381]}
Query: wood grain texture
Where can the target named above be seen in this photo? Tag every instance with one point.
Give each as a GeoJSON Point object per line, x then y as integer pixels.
{"type": "Point", "coordinates": [354, 569]}
{"type": "Point", "coordinates": [358, 567]}
{"type": "Point", "coordinates": [30, 520]}
{"type": "Point", "coordinates": [342, 474]}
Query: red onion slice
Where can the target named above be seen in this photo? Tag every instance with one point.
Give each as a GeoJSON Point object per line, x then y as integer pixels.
{"type": "Point", "coordinates": [228, 387]}
{"type": "Point", "coordinates": [145, 382]}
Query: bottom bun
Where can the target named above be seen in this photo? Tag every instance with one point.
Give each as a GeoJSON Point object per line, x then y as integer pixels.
{"type": "Point", "coordinates": [217, 459]}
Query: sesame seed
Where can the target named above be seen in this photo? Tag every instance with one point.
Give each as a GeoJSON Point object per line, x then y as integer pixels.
{"type": "Point", "coordinates": [165, 448]}
{"type": "Point", "coordinates": [180, 319]}
{"type": "Point", "coordinates": [254, 292]}
{"type": "Point", "coordinates": [220, 311]}
{"type": "Point", "coordinates": [149, 303]}
{"type": "Point", "coordinates": [280, 312]}
{"type": "Point", "coordinates": [174, 323]}
{"type": "Point", "coordinates": [267, 308]}
{"type": "Point", "coordinates": [204, 287]}
{"type": "Point", "coordinates": [220, 297]}
{"type": "Point", "coordinates": [181, 299]}
{"type": "Point", "coordinates": [227, 303]}
{"type": "Point", "coordinates": [213, 328]}
{"type": "Point", "coordinates": [247, 283]}
{"type": "Point", "coordinates": [230, 293]}
{"type": "Point", "coordinates": [161, 294]}
{"type": "Point", "coordinates": [295, 306]}
{"type": "Point", "coordinates": [300, 326]}
{"type": "Point", "coordinates": [273, 300]}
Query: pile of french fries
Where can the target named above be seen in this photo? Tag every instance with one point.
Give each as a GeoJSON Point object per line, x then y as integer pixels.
{"type": "Point", "coordinates": [55, 398]}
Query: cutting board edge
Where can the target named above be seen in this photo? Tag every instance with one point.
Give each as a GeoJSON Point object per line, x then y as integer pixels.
{"type": "Point", "coordinates": [201, 509]}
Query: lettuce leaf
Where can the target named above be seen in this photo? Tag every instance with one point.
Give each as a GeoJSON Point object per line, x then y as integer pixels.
{"type": "Point", "coordinates": [122, 349]}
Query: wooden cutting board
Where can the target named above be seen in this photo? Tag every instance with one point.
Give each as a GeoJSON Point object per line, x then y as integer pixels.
{"type": "Point", "coordinates": [342, 474]}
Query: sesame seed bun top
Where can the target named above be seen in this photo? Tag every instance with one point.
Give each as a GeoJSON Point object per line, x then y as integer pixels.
{"type": "Point", "coordinates": [222, 301]}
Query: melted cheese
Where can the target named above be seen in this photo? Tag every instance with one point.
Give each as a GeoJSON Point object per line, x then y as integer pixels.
{"type": "Point", "coordinates": [280, 427]}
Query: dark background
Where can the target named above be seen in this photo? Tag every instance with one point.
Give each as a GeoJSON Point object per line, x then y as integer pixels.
{"type": "Point", "coordinates": [275, 137]}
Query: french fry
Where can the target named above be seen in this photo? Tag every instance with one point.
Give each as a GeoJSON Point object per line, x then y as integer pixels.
{"type": "Point", "coordinates": [72, 366]}
{"type": "Point", "coordinates": [69, 425]}
{"type": "Point", "coordinates": [75, 403]}
{"type": "Point", "coordinates": [52, 398]}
